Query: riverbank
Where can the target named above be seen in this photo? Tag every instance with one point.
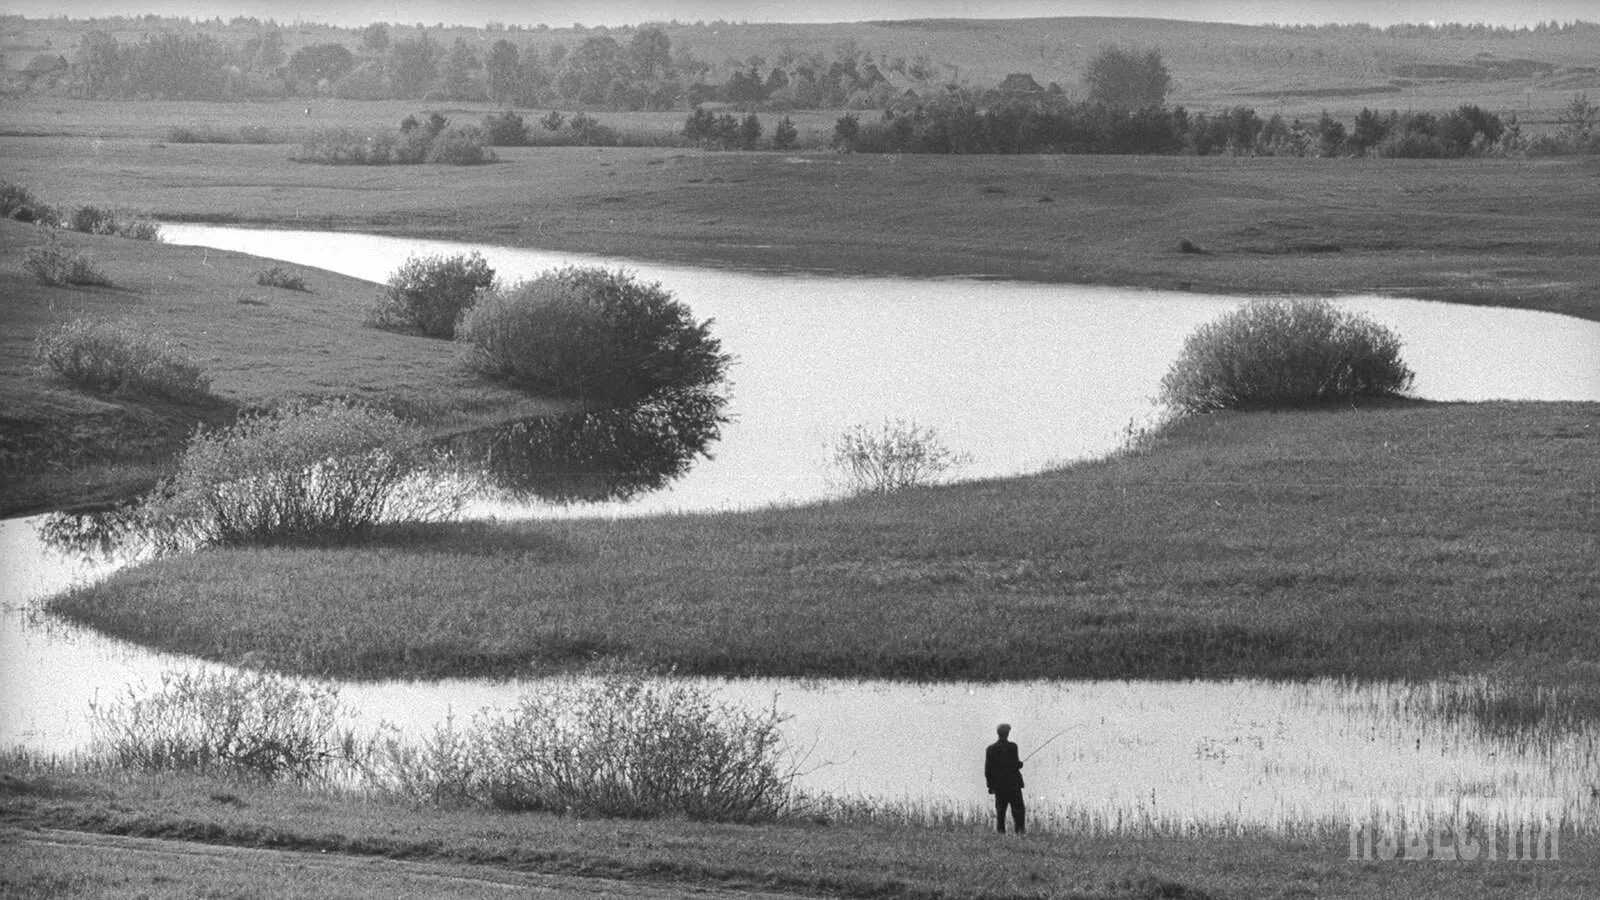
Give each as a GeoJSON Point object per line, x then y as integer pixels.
{"type": "Point", "coordinates": [659, 858]}
{"type": "Point", "coordinates": [66, 448]}
{"type": "Point", "coordinates": [1404, 540]}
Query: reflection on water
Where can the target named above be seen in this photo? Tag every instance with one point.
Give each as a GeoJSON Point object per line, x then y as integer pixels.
{"type": "Point", "coordinates": [601, 455]}
{"type": "Point", "coordinates": [1110, 754]}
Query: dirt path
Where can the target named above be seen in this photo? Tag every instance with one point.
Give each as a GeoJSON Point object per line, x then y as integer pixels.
{"type": "Point", "coordinates": [108, 865]}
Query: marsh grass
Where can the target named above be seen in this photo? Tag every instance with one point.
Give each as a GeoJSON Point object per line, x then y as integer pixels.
{"type": "Point", "coordinates": [305, 471]}
{"type": "Point", "coordinates": [250, 724]}
{"type": "Point", "coordinates": [119, 358]}
{"type": "Point", "coordinates": [620, 744]}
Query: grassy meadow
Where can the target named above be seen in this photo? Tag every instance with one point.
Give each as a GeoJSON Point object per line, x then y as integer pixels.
{"type": "Point", "coordinates": [1390, 540]}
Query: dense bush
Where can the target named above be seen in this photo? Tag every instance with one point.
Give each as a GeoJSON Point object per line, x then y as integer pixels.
{"type": "Point", "coordinates": [279, 277]}
{"type": "Point", "coordinates": [1285, 353]}
{"type": "Point", "coordinates": [304, 471]}
{"type": "Point", "coordinates": [105, 221]}
{"type": "Point", "coordinates": [19, 203]}
{"type": "Point", "coordinates": [429, 294]}
{"type": "Point", "coordinates": [234, 724]}
{"type": "Point", "coordinates": [54, 263]}
{"type": "Point", "coordinates": [118, 359]}
{"type": "Point", "coordinates": [618, 745]}
{"type": "Point", "coordinates": [430, 140]}
{"type": "Point", "coordinates": [505, 129]}
{"type": "Point", "coordinates": [593, 334]}
{"type": "Point", "coordinates": [898, 455]}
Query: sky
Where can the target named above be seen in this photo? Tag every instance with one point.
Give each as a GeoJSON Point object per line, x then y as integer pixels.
{"type": "Point", "coordinates": [563, 13]}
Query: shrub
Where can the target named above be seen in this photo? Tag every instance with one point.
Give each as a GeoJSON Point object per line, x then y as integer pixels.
{"type": "Point", "coordinates": [618, 745]}
{"type": "Point", "coordinates": [57, 264]}
{"type": "Point", "coordinates": [593, 334]}
{"type": "Point", "coordinates": [279, 277]}
{"type": "Point", "coordinates": [19, 203]}
{"type": "Point", "coordinates": [899, 455]}
{"type": "Point", "coordinates": [460, 145]}
{"type": "Point", "coordinates": [505, 129]}
{"type": "Point", "coordinates": [241, 723]}
{"type": "Point", "coordinates": [118, 359]}
{"type": "Point", "coordinates": [304, 471]}
{"type": "Point", "coordinates": [1285, 353]}
{"type": "Point", "coordinates": [105, 221]}
{"type": "Point", "coordinates": [429, 294]}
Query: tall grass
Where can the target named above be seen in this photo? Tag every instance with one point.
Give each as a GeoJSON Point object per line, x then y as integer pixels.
{"type": "Point", "coordinates": [1275, 353]}
{"type": "Point", "coordinates": [895, 456]}
{"type": "Point", "coordinates": [242, 723]}
{"type": "Point", "coordinates": [303, 471]}
{"type": "Point", "coordinates": [620, 745]}
{"type": "Point", "coordinates": [119, 358]}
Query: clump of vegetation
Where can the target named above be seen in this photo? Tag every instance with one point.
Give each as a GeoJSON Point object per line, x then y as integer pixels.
{"type": "Point", "coordinates": [593, 334]}
{"type": "Point", "coordinates": [118, 358]}
{"type": "Point", "coordinates": [305, 471]}
{"type": "Point", "coordinates": [429, 140]}
{"type": "Point", "coordinates": [429, 294]}
{"type": "Point", "coordinates": [56, 264]}
{"type": "Point", "coordinates": [505, 129]}
{"type": "Point", "coordinates": [1285, 353]}
{"type": "Point", "coordinates": [238, 724]}
{"type": "Point", "coordinates": [280, 277]}
{"type": "Point", "coordinates": [896, 456]}
{"type": "Point", "coordinates": [620, 745]}
{"type": "Point", "coordinates": [19, 203]}
{"type": "Point", "coordinates": [105, 221]}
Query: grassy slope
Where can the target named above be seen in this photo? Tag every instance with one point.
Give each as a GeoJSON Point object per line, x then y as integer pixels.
{"type": "Point", "coordinates": [258, 344]}
{"type": "Point", "coordinates": [862, 860]}
{"type": "Point", "coordinates": [1508, 232]}
{"type": "Point", "coordinates": [1413, 540]}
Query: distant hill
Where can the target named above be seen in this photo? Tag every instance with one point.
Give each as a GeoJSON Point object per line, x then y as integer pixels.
{"type": "Point", "coordinates": [1213, 65]}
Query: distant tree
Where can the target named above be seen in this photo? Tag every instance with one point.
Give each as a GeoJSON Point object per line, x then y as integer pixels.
{"type": "Point", "coordinates": [375, 38]}
{"type": "Point", "coordinates": [1578, 121]}
{"type": "Point", "coordinates": [413, 66]}
{"type": "Point", "coordinates": [783, 137]}
{"type": "Point", "coordinates": [503, 71]}
{"type": "Point", "coordinates": [313, 64]}
{"type": "Point", "coordinates": [461, 68]}
{"type": "Point", "coordinates": [102, 65]}
{"type": "Point", "coordinates": [1330, 135]}
{"type": "Point", "coordinates": [845, 132]}
{"type": "Point", "coordinates": [650, 52]}
{"type": "Point", "coordinates": [1371, 128]}
{"type": "Point", "coordinates": [1125, 79]}
{"type": "Point", "coordinates": [749, 132]}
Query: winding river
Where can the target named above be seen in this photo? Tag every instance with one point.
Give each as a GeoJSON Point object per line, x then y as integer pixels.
{"type": "Point", "coordinates": [1019, 377]}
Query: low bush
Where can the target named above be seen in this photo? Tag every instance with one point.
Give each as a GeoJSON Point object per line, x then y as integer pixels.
{"type": "Point", "coordinates": [433, 140]}
{"type": "Point", "coordinates": [279, 277]}
{"type": "Point", "coordinates": [592, 334]}
{"type": "Point", "coordinates": [19, 203]}
{"type": "Point", "coordinates": [1285, 353]}
{"type": "Point", "coordinates": [505, 129]}
{"type": "Point", "coordinates": [305, 471]}
{"type": "Point", "coordinates": [429, 294]}
{"type": "Point", "coordinates": [238, 724]}
{"type": "Point", "coordinates": [621, 745]}
{"type": "Point", "coordinates": [106, 221]}
{"type": "Point", "coordinates": [55, 263]}
{"type": "Point", "coordinates": [115, 358]}
{"type": "Point", "coordinates": [896, 456]}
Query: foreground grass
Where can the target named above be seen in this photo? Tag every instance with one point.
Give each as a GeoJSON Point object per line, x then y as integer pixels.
{"type": "Point", "coordinates": [1405, 540]}
{"type": "Point", "coordinates": [259, 345]}
{"type": "Point", "coordinates": [807, 857]}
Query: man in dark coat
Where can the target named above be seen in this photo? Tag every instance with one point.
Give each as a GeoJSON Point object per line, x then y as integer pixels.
{"type": "Point", "coordinates": [1002, 769]}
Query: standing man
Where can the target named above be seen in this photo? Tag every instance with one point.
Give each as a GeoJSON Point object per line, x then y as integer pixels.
{"type": "Point", "coordinates": [1002, 769]}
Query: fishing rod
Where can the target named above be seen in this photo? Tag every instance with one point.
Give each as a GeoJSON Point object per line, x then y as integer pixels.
{"type": "Point", "coordinates": [1052, 738]}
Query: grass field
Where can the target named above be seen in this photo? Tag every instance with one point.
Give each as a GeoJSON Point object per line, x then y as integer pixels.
{"type": "Point", "coordinates": [1403, 541]}
{"type": "Point", "coordinates": [660, 858]}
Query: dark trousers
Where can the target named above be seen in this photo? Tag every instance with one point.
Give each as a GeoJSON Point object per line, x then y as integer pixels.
{"type": "Point", "coordinates": [1019, 812]}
